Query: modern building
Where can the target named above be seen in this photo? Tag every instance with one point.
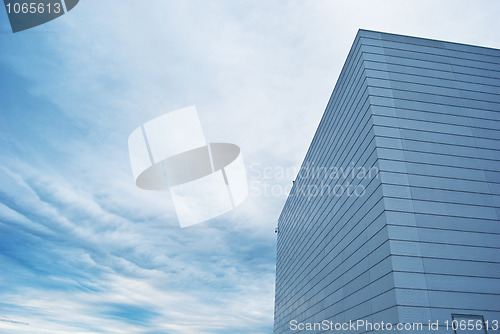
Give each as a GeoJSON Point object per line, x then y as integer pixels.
{"type": "Point", "coordinates": [394, 216]}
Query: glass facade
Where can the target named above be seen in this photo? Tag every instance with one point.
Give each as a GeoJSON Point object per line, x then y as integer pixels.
{"type": "Point", "coordinates": [394, 216]}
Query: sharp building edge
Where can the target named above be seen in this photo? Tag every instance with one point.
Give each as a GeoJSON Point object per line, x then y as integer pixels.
{"type": "Point", "coordinates": [394, 216]}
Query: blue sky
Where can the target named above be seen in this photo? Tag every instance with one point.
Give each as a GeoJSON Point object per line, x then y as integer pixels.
{"type": "Point", "coordinates": [82, 250]}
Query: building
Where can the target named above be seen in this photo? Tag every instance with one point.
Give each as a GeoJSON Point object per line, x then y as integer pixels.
{"type": "Point", "coordinates": [394, 216]}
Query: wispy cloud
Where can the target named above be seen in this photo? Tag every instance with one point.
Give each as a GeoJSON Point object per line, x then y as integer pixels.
{"type": "Point", "coordinates": [107, 265]}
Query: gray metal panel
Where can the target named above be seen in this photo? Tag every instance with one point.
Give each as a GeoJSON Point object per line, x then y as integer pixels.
{"type": "Point", "coordinates": [423, 241]}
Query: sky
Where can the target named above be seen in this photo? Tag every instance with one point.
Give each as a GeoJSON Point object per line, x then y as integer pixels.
{"type": "Point", "coordinates": [82, 249]}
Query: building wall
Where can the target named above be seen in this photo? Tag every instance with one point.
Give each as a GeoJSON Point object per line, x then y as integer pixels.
{"type": "Point", "coordinates": [436, 115]}
{"type": "Point", "coordinates": [422, 242]}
